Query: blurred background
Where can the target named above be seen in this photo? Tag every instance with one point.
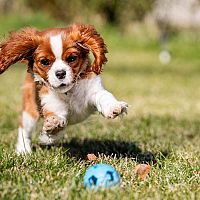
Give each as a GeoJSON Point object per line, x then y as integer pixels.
{"type": "Point", "coordinates": [154, 47]}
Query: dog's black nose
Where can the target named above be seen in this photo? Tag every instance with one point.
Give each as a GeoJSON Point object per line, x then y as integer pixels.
{"type": "Point", "coordinates": [61, 74]}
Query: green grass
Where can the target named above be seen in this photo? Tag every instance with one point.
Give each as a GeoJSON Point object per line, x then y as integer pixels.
{"type": "Point", "coordinates": [16, 21]}
{"type": "Point", "coordinates": [162, 129]}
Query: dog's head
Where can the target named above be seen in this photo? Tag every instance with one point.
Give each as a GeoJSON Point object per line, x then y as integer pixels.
{"type": "Point", "coordinates": [56, 56]}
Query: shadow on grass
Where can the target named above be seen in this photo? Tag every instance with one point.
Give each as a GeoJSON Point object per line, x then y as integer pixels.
{"type": "Point", "coordinates": [119, 149]}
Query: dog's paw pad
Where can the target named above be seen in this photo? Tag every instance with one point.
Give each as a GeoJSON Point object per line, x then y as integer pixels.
{"type": "Point", "coordinates": [118, 109]}
{"type": "Point", "coordinates": [53, 123]}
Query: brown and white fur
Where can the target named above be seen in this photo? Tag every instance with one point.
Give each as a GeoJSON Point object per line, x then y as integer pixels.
{"type": "Point", "coordinates": [61, 83]}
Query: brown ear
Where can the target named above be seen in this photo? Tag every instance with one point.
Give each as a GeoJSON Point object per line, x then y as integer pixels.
{"type": "Point", "coordinates": [20, 45]}
{"type": "Point", "coordinates": [88, 37]}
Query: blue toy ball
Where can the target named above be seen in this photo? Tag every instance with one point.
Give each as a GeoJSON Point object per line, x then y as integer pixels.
{"type": "Point", "coordinates": [101, 175]}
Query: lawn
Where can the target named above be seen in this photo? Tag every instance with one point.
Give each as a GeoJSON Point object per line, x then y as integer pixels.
{"type": "Point", "coordinates": [162, 128]}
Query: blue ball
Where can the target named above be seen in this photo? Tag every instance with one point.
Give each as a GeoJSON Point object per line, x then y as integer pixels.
{"type": "Point", "coordinates": [101, 175]}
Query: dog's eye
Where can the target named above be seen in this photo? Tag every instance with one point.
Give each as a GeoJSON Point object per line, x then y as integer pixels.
{"type": "Point", "coordinates": [71, 58]}
{"type": "Point", "coordinates": [45, 62]}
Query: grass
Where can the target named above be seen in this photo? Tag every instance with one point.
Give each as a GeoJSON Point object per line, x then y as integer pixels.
{"type": "Point", "coordinates": [162, 129]}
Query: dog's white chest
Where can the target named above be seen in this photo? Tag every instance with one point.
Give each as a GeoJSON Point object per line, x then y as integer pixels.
{"type": "Point", "coordinates": [78, 103]}
{"type": "Point", "coordinates": [78, 109]}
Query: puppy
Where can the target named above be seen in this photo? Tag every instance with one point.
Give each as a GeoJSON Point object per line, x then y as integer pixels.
{"type": "Point", "coordinates": [61, 83]}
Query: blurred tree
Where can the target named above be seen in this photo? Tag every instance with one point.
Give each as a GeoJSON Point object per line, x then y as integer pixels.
{"type": "Point", "coordinates": [115, 12]}
{"type": "Point", "coordinates": [10, 6]}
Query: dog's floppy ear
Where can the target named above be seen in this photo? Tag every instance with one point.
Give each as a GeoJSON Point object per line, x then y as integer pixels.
{"type": "Point", "coordinates": [87, 37]}
{"type": "Point", "coordinates": [19, 46]}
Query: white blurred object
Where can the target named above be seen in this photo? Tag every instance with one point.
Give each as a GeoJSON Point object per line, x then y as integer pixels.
{"type": "Point", "coordinates": [178, 13]}
{"type": "Point", "coordinates": [175, 15]}
{"type": "Point", "coordinates": [165, 57]}
{"type": "Point", "coordinates": [50, 139]}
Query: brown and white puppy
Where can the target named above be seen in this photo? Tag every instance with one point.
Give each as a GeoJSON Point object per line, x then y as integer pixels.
{"type": "Point", "coordinates": [61, 83]}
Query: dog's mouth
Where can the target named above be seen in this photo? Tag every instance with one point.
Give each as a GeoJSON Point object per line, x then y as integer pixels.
{"type": "Point", "coordinates": [63, 87]}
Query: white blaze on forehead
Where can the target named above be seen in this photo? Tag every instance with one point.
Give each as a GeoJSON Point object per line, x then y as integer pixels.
{"type": "Point", "coordinates": [58, 65]}
{"type": "Point", "coordinates": [56, 46]}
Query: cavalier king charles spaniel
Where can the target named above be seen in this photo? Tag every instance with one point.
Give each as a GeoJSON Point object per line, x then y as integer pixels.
{"type": "Point", "coordinates": [62, 84]}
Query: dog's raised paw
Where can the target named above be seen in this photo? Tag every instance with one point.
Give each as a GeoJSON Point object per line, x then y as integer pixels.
{"type": "Point", "coordinates": [118, 109]}
{"type": "Point", "coordinates": [54, 124]}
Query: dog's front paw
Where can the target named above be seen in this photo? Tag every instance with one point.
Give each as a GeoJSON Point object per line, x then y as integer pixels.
{"type": "Point", "coordinates": [53, 124]}
{"type": "Point", "coordinates": [117, 109]}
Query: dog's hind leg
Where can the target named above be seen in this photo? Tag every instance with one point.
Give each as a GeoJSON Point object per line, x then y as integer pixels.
{"type": "Point", "coordinates": [28, 117]}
